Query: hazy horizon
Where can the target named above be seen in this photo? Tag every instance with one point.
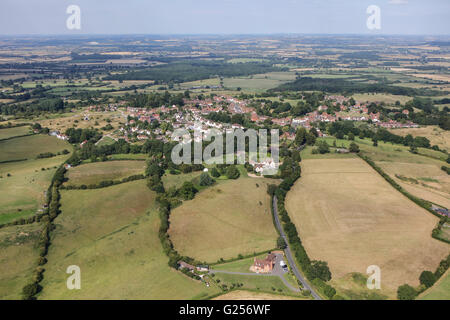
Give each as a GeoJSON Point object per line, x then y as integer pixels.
{"type": "Point", "coordinates": [225, 17]}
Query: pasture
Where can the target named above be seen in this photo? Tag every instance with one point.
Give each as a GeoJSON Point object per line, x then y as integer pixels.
{"type": "Point", "coordinates": [176, 180]}
{"type": "Point", "coordinates": [112, 234]}
{"type": "Point", "coordinates": [14, 132]}
{"type": "Point", "coordinates": [265, 283]}
{"type": "Point", "coordinates": [18, 258]}
{"type": "Point", "coordinates": [24, 183]}
{"type": "Point", "coordinates": [223, 221]}
{"type": "Point", "coordinates": [349, 216]}
{"type": "Point", "coordinates": [440, 290]}
{"type": "Point", "coordinates": [29, 147]}
{"type": "Point", "coordinates": [93, 173]}
{"type": "Point", "coordinates": [259, 82]}
{"type": "Point", "coordinates": [23, 192]}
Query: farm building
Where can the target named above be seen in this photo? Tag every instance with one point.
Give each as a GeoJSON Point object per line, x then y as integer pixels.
{"type": "Point", "coordinates": [264, 265]}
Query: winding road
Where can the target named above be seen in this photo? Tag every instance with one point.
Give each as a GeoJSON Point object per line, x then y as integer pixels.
{"type": "Point", "coordinates": [288, 253]}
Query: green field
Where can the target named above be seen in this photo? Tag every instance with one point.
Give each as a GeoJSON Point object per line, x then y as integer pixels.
{"type": "Point", "coordinates": [176, 180]}
{"type": "Point", "coordinates": [258, 283]}
{"type": "Point", "coordinates": [14, 132]}
{"type": "Point", "coordinates": [223, 221]}
{"type": "Point", "coordinates": [29, 147]}
{"type": "Point", "coordinates": [112, 235]}
{"type": "Point", "coordinates": [440, 291]}
{"type": "Point", "coordinates": [23, 191]}
{"type": "Point", "coordinates": [242, 265]}
{"type": "Point", "coordinates": [93, 173]}
{"type": "Point", "coordinates": [128, 156]}
{"type": "Point", "coordinates": [259, 82]}
{"type": "Point", "coordinates": [18, 258]}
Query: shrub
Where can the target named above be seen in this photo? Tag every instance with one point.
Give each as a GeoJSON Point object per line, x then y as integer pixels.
{"type": "Point", "coordinates": [406, 292]}
{"type": "Point", "coordinates": [427, 278]}
{"type": "Point", "coordinates": [232, 172]}
{"type": "Point", "coordinates": [206, 180]}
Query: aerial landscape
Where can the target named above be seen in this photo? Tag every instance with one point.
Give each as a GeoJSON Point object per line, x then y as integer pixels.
{"type": "Point", "coordinates": [349, 201]}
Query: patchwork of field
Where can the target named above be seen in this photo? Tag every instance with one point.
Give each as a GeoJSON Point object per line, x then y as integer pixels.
{"type": "Point", "coordinates": [93, 173]}
{"type": "Point", "coordinates": [85, 119]}
{"type": "Point", "coordinates": [14, 132]}
{"type": "Point", "coordinates": [112, 235]}
{"type": "Point", "coordinates": [29, 147]}
{"type": "Point", "coordinates": [223, 221]}
{"type": "Point", "coordinates": [440, 290]}
{"type": "Point", "coordinates": [259, 82]}
{"type": "Point", "coordinates": [349, 216]}
{"type": "Point", "coordinates": [18, 258]}
{"type": "Point", "coordinates": [436, 135]}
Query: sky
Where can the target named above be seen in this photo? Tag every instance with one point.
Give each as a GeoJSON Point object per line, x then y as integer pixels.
{"type": "Point", "coordinates": [430, 17]}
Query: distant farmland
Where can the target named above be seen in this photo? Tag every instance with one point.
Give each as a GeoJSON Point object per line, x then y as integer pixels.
{"type": "Point", "coordinates": [352, 218]}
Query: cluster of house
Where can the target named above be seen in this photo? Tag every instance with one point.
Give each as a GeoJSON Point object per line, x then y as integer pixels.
{"type": "Point", "coordinates": [59, 135]}
{"type": "Point", "coordinates": [391, 124]}
{"type": "Point", "coordinates": [104, 108]}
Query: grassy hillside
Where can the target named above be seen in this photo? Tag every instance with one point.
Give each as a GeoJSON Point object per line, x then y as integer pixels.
{"type": "Point", "coordinates": [224, 221]}
{"type": "Point", "coordinates": [112, 235]}
{"type": "Point", "coordinates": [14, 132]}
{"type": "Point", "coordinates": [93, 173]}
{"type": "Point", "coordinates": [18, 258]}
{"type": "Point", "coordinates": [29, 147]}
{"type": "Point", "coordinates": [352, 218]}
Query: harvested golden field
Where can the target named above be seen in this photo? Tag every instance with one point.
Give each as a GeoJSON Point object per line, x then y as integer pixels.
{"type": "Point", "coordinates": [349, 216]}
{"type": "Point", "coordinates": [93, 173]}
{"type": "Point", "coordinates": [436, 135]}
{"type": "Point", "coordinates": [223, 221]}
{"type": "Point", "coordinates": [426, 181]}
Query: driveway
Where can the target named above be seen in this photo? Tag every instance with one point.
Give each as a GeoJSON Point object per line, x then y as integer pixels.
{"type": "Point", "coordinates": [288, 253]}
{"type": "Point", "coordinates": [277, 272]}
